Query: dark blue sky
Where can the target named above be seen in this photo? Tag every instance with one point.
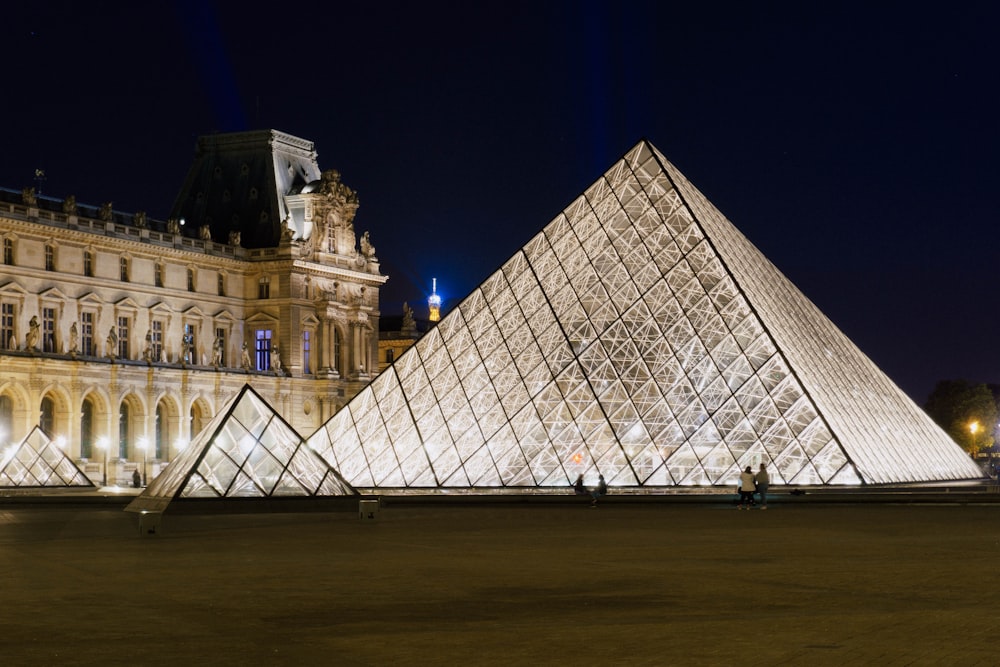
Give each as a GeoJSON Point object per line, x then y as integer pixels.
{"type": "Point", "coordinates": [855, 146]}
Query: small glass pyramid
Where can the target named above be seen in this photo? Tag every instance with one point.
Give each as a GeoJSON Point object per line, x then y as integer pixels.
{"type": "Point", "coordinates": [37, 462]}
{"type": "Point", "coordinates": [246, 451]}
{"type": "Point", "coordinates": [640, 336]}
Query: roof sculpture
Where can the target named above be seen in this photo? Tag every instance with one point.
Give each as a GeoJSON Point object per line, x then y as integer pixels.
{"type": "Point", "coordinates": [246, 451]}
{"type": "Point", "coordinates": [37, 461]}
{"type": "Point", "coordinates": [641, 336]}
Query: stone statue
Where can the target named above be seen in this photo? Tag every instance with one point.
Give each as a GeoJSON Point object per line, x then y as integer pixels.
{"type": "Point", "coordinates": [69, 205]}
{"type": "Point", "coordinates": [217, 352]}
{"type": "Point", "coordinates": [234, 238]}
{"type": "Point", "coordinates": [367, 249]}
{"type": "Point", "coordinates": [286, 230]}
{"type": "Point", "coordinates": [28, 197]}
{"type": "Point", "coordinates": [205, 233]}
{"type": "Point", "coordinates": [147, 348]}
{"type": "Point", "coordinates": [112, 342]}
{"type": "Point", "coordinates": [173, 226]}
{"type": "Point", "coordinates": [106, 212]}
{"type": "Point", "coordinates": [74, 340]}
{"type": "Point", "coordinates": [31, 339]}
{"type": "Point", "coordinates": [139, 219]}
{"type": "Point", "coordinates": [409, 324]}
{"type": "Point", "coordinates": [245, 357]}
{"type": "Point", "coordinates": [276, 360]}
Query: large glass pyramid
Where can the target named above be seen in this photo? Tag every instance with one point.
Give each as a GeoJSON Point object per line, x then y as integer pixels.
{"type": "Point", "coordinates": [639, 335]}
{"type": "Point", "coordinates": [38, 461]}
{"type": "Point", "coordinates": [246, 451]}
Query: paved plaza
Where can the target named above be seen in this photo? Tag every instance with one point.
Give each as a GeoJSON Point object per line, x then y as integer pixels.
{"type": "Point", "coordinates": [692, 583]}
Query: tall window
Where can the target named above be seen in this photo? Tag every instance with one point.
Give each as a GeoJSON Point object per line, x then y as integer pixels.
{"type": "Point", "coordinates": [123, 269]}
{"type": "Point", "coordinates": [8, 252]}
{"type": "Point", "coordinates": [50, 258]}
{"type": "Point", "coordinates": [158, 275]}
{"type": "Point", "coordinates": [47, 419]}
{"type": "Point", "coordinates": [189, 342]}
{"type": "Point", "coordinates": [88, 264]}
{"type": "Point", "coordinates": [389, 355]}
{"type": "Point", "coordinates": [7, 337]}
{"type": "Point", "coordinates": [6, 418]}
{"type": "Point", "coordinates": [123, 335]}
{"type": "Point", "coordinates": [219, 349]}
{"type": "Point", "coordinates": [262, 349]}
{"type": "Point", "coordinates": [87, 429]}
{"type": "Point", "coordinates": [87, 334]}
{"type": "Point", "coordinates": [306, 352]}
{"type": "Point", "coordinates": [161, 432]}
{"type": "Point", "coordinates": [264, 287]}
{"type": "Point", "coordinates": [190, 280]}
{"type": "Point", "coordinates": [156, 344]}
{"type": "Point", "coordinates": [48, 329]}
{"type": "Point", "coordinates": [222, 284]}
{"type": "Point", "coordinates": [123, 424]}
{"type": "Point", "coordinates": [336, 351]}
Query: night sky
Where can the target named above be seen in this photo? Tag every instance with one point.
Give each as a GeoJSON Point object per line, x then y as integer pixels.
{"type": "Point", "coordinates": [856, 147]}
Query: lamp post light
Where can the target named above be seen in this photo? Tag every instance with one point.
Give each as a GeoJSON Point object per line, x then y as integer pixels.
{"type": "Point", "coordinates": [974, 429]}
{"type": "Point", "coordinates": [102, 444]}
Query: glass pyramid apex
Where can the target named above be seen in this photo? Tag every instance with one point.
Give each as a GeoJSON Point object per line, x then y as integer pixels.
{"type": "Point", "coordinates": [640, 336]}
{"type": "Point", "coordinates": [247, 450]}
{"type": "Point", "coordinates": [37, 461]}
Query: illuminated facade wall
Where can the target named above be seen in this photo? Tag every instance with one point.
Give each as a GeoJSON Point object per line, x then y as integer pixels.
{"type": "Point", "coordinates": [125, 334]}
{"type": "Point", "coordinates": [642, 337]}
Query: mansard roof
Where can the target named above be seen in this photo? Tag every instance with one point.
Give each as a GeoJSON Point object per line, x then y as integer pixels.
{"type": "Point", "coordinates": [238, 181]}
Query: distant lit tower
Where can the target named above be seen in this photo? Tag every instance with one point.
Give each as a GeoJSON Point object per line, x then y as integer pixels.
{"type": "Point", "coordinates": [434, 302]}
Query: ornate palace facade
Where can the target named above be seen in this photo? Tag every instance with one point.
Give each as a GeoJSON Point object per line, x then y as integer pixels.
{"type": "Point", "coordinates": [123, 336]}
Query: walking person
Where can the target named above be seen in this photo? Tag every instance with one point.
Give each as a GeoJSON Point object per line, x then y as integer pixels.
{"type": "Point", "coordinates": [762, 480]}
{"type": "Point", "coordinates": [746, 489]}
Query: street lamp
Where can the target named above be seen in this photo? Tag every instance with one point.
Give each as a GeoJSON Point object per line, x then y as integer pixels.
{"type": "Point", "coordinates": [973, 429]}
{"type": "Point", "coordinates": [102, 444]}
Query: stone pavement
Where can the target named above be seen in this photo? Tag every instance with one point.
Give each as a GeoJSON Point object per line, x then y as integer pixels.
{"type": "Point", "coordinates": [489, 584]}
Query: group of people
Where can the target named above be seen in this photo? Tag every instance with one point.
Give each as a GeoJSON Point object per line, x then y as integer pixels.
{"type": "Point", "coordinates": [751, 483]}
{"type": "Point", "coordinates": [600, 490]}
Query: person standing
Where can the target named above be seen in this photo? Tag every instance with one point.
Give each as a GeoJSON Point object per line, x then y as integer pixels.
{"type": "Point", "coordinates": [762, 480]}
{"type": "Point", "coordinates": [746, 489]}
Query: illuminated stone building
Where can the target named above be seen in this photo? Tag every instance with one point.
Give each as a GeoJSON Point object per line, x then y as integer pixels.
{"type": "Point", "coordinates": [125, 335]}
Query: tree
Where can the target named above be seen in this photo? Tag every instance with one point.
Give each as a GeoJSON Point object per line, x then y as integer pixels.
{"type": "Point", "coordinates": [966, 411]}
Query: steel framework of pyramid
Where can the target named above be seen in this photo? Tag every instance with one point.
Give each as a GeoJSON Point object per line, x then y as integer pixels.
{"type": "Point", "coordinates": [641, 336]}
{"type": "Point", "coordinates": [38, 462]}
{"type": "Point", "coordinates": [246, 451]}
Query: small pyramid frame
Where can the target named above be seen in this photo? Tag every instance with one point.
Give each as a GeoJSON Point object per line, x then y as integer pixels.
{"type": "Point", "coordinates": [37, 461]}
{"type": "Point", "coordinates": [246, 451]}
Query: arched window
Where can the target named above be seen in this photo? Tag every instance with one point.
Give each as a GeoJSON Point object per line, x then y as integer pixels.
{"type": "Point", "coordinates": [161, 433]}
{"type": "Point", "coordinates": [87, 429]}
{"type": "Point", "coordinates": [196, 421]}
{"type": "Point", "coordinates": [123, 430]}
{"type": "Point", "coordinates": [47, 419]}
{"type": "Point", "coordinates": [6, 418]}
